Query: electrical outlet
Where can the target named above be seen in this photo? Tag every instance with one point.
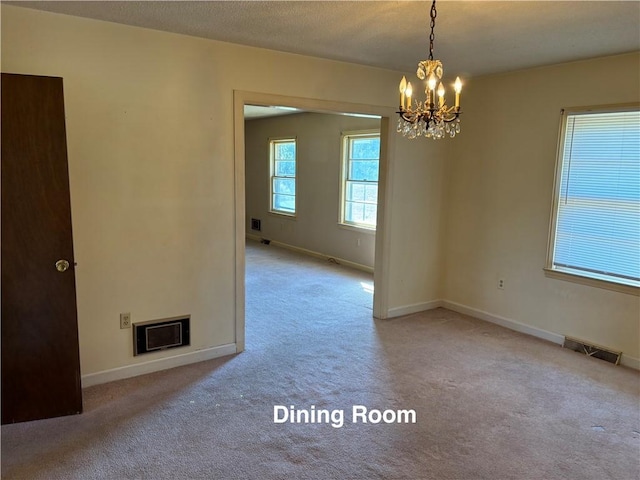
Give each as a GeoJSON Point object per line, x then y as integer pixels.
{"type": "Point", "coordinates": [501, 283]}
{"type": "Point", "coordinates": [125, 320]}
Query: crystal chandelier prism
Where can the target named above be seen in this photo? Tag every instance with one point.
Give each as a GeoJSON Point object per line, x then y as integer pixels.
{"type": "Point", "coordinates": [431, 118]}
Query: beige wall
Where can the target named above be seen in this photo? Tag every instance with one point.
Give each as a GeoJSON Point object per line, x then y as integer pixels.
{"type": "Point", "coordinates": [499, 200]}
{"type": "Point", "coordinates": [151, 157]}
{"type": "Point", "coordinates": [315, 227]}
{"type": "Point", "coordinates": [151, 162]}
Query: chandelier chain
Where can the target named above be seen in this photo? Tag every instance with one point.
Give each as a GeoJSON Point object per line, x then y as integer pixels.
{"type": "Point", "coordinates": [433, 26]}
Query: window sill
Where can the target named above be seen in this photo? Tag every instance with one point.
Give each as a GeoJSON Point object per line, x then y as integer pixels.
{"type": "Point", "coordinates": [290, 216]}
{"type": "Point", "coordinates": [357, 228]}
{"type": "Point", "coordinates": [592, 282]}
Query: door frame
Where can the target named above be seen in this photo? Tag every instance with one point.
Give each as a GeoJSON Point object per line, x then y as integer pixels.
{"type": "Point", "coordinates": [383, 228]}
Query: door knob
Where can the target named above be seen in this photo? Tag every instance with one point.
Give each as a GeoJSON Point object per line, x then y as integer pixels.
{"type": "Point", "coordinates": [62, 265]}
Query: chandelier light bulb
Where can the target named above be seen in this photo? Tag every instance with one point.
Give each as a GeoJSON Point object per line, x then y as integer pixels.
{"type": "Point", "coordinates": [432, 82]}
{"type": "Point", "coordinates": [441, 94]}
{"type": "Point", "coordinates": [403, 87]}
{"type": "Point", "coordinates": [458, 88]}
{"type": "Point", "coordinates": [457, 85]}
{"type": "Point", "coordinates": [408, 93]}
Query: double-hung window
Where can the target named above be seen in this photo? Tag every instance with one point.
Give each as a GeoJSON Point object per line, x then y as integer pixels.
{"type": "Point", "coordinates": [595, 228]}
{"type": "Point", "coordinates": [283, 176]}
{"type": "Point", "coordinates": [360, 162]}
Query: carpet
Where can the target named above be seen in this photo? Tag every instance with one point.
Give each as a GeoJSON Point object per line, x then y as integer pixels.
{"type": "Point", "coordinates": [489, 403]}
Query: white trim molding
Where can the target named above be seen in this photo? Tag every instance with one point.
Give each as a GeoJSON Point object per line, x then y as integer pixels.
{"type": "Point", "coordinates": [631, 362]}
{"type": "Point", "coordinates": [414, 308]}
{"type": "Point", "coordinates": [156, 365]}
{"type": "Point", "coordinates": [591, 281]}
{"type": "Point", "coordinates": [505, 322]}
{"type": "Point", "coordinates": [553, 337]}
{"type": "Point", "coordinates": [385, 194]}
{"type": "Point", "coordinates": [480, 314]}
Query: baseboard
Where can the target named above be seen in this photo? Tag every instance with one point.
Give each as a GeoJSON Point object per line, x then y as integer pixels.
{"type": "Point", "coordinates": [625, 360]}
{"type": "Point", "coordinates": [504, 322]}
{"type": "Point", "coordinates": [340, 261]}
{"type": "Point", "coordinates": [631, 362]}
{"type": "Point", "coordinates": [414, 308]}
{"type": "Point", "coordinates": [157, 365]}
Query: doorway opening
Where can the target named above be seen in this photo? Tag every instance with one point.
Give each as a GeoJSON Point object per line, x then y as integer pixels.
{"type": "Point", "coordinates": [272, 154]}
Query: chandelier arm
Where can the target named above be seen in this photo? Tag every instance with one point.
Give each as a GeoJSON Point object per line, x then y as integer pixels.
{"type": "Point", "coordinates": [451, 119]}
{"type": "Point", "coordinates": [451, 114]}
{"type": "Point", "coordinates": [408, 117]}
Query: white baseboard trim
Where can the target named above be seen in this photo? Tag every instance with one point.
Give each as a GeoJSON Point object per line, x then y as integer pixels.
{"type": "Point", "coordinates": [631, 362]}
{"type": "Point", "coordinates": [556, 338]}
{"type": "Point", "coordinates": [157, 365]}
{"type": "Point", "coordinates": [340, 261]}
{"type": "Point", "coordinates": [505, 322]}
{"type": "Point", "coordinates": [414, 308]}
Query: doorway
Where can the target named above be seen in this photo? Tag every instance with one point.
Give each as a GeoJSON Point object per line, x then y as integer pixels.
{"type": "Point", "coordinates": [380, 267]}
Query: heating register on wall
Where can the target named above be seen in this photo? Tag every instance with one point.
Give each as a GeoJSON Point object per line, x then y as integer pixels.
{"type": "Point", "coordinates": [156, 335]}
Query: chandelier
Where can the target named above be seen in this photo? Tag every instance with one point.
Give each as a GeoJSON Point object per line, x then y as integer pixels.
{"type": "Point", "coordinates": [431, 118]}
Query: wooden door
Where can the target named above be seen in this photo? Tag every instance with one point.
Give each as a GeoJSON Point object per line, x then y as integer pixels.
{"type": "Point", "coordinates": [40, 354]}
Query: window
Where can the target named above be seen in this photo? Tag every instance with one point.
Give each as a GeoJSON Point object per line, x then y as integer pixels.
{"type": "Point", "coordinates": [361, 159]}
{"type": "Point", "coordinates": [595, 229]}
{"type": "Point", "coordinates": [283, 176]}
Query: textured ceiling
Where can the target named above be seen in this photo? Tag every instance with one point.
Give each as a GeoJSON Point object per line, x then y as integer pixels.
{"type": "Point", "coordinates": [472, 37]}
{"type": "Point", "coordinates": [257, 111]}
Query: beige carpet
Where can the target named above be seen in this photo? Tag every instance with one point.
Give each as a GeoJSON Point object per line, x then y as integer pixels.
{"type": "Point", "coordinates": [490, 403]}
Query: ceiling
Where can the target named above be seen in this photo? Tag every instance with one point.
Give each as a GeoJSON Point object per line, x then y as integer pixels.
{"type": "Point", "coordinates": [252, 112]}
{"type": "Point", "coordinates": [472, 37]}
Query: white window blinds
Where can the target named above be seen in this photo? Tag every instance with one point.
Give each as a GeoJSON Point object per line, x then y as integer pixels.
{"type": "Point", "coordinates": [598, 216]}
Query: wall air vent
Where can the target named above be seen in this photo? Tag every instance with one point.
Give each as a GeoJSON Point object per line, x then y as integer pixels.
{"type": "Point", "coordinates": [592, 350]}
{"type": "Point", "coordinates": [255, 224]}
{"type": "Point", "coordinates": [157, 335]}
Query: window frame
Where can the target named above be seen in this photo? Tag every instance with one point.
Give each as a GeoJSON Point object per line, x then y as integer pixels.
{"type": "Point", "coordinates": [566, 274]}
{"type": "Point", "coordinates": [273, 141]}
{"type": "Point", "coordinates": [344, 174]}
